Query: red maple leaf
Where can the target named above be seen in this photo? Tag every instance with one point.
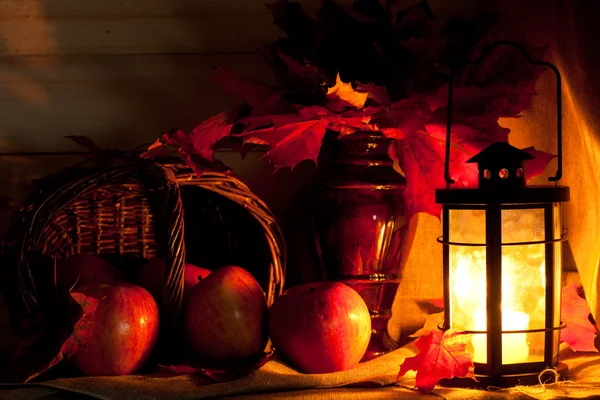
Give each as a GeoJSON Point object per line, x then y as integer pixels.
{"type": "Point", "coordinates": [401, 119]}
{"type": "Point", "coordinates": [402, 71]}
{"type": "Point", "coordinates": [343, 95]}
{"type": "Point", "coordinates": [376, 93]}
{"type": "Point", "coordinates": [39, 351]}
{"type": "Point", "coordinates": [442, 354]}
{"type": "Point", "coordinates": [297, 136]}
{"type": "Point", "coordinates": [82, 331]}
{"type": "Point", "coordinates": [291, 143]}
{"type": "Point", "coordinates": [579, 332]}
{"type": "Point", "coordinates": [196, 149]}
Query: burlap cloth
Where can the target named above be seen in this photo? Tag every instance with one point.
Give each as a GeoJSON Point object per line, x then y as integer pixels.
{"type": "Point", "coordinates": [375, 379]}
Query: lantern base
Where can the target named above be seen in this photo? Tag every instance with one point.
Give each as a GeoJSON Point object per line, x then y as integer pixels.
{"type": "Point", "coordinates": [528, 379]}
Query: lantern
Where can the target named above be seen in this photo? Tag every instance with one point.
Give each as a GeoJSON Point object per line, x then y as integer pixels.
{"type": "Point", "coordinates": [502, 260]}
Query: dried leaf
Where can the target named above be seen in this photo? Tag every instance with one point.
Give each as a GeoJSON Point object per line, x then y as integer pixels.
{"type": "Point", "coordinates": [343, 95]}
{"type": "Point", "coordinates": [197, 148]}
{"type": "Point", "coordinates": [82, 331]}
{"type": "Point", "coordinates": [209, 132]}
{"type": "Point", "coordinates": [158, 149]}
{"type": "Point", "coordinates": [403, 70]}
{"type": "Point", "coordinates": [291, 143]}
{"type": "Point", "coordinates": [442, 354]}
{"type": "Point", "coordinates": [579, 332]}
{"type": "Point", "coordinates": [377, 93]}
{"type": "Point", "coordinates": [39, 351]}
{"type": "Point", "coordinates": [403, 118]}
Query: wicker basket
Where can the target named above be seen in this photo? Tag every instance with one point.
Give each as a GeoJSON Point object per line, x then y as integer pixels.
{"type": "Point", "coordinates": [128, 214]}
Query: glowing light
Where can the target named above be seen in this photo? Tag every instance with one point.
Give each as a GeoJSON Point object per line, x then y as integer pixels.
{"type": "Point", "coordinates": [523, 286]}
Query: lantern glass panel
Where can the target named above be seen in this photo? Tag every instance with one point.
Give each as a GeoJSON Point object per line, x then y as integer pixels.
{"type": "Point", "coordinates": [467, 274]}
{"type": "Point", "coordinates": [523, 285]}
{"type": "Point", "coordinates": [557, 231]}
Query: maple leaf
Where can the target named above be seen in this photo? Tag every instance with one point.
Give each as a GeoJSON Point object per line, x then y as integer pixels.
{"type": "Point", "coordinates": [297, 136]}
{"type": "Point", "coordinates": [196, 149]}
{"type": "Point", "coordinates": [343, 95]}
{"type": "Point", "coordinates": [401, 119]}
{"type": "Point", "coordinates": [403, 71]}
{"type": "Point", "coordinates": [290, 143]}
{"type": "Point", "coordinates": [209, 132]}
{"type": "Point", "coordinates": [579, 332]}
{"type": "Point", "coordinates": [81, 336]}
{"type": "Point", "coordinates": [374, 92]}
{"type": "Point", "coordinates": [442, 354]}
{"type": "Point", "coordinates": [158, 149]}
{"type": "Point", "coordinates": [47, 345]}
{"type": "Point", "coordinates": [82, 331]}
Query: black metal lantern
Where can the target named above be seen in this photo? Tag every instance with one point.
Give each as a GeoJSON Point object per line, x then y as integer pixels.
{"type": "Point", "coordinates": [502, 260]}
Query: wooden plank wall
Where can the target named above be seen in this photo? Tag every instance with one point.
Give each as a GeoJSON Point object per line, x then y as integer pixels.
{"type": "Point", "coordinates": [123, 71]}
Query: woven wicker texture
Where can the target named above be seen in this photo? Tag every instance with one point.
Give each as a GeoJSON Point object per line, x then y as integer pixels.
{"type": "Point", "coordinates": [132, 213]}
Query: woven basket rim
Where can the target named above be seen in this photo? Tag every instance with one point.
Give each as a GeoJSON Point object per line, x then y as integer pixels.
{"type": "Point", "coordinates": [176, 175]}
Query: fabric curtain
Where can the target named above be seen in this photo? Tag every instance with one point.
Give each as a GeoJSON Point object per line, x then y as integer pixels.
{"type": "Point", "coordinates": [569, 29]}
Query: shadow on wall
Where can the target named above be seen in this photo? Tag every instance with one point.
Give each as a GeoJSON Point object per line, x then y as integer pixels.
{"type": "Point", "coordinates": [120, 73]}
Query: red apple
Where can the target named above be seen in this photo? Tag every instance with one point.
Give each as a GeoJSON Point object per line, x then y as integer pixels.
{"type": "Point", "coordinates": [83, 269]}
{"type": "Point", "coordinates": [226, 314]}
{"type": "Point", "coordinates": [125, 330]}
{"type": "Point", "coordinates": [152, 277]}
{"type": "Point", "coordinates": [321, 327]}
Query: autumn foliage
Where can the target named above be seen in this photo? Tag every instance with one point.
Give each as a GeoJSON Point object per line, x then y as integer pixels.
{"type": "Point", "coordinates": [442, 354]}
{"type": "Point", "coordinates": [368, 67]}
{"type": "Point", "coordinates": [37, 352]}
{"type": "Point", "coordinates": [580, 328]}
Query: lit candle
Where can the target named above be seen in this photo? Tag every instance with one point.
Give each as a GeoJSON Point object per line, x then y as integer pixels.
{"type": "Point", "coordinates": [469, 289]}
{"type": "Point", "coordinates": [514, 345]}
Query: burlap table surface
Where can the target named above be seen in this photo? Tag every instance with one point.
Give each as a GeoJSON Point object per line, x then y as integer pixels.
{"type": "Point", "coordinates": [375, 379]}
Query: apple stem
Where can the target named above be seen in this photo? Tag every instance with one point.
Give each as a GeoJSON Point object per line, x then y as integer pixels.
{"type": "Point", "coordinates": [312, 289]}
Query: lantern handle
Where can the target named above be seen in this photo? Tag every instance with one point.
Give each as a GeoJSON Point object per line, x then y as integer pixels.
{"type": "Point", "coordinates": [531, 61]}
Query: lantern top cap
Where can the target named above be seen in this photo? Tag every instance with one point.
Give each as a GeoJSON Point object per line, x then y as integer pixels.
{"type": "Point", "coordinates": [498, 152]}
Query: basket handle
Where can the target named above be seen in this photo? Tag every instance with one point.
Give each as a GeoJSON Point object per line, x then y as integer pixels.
{"type": "Point", "coordinates": [161, 180]}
